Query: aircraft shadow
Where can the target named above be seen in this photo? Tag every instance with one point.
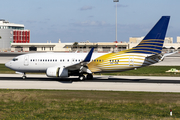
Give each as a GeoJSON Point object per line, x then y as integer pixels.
{"type": "Point", "coordinates": [96, 79]}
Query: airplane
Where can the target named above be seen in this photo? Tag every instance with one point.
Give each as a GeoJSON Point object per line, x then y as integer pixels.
{"type": "Point", "coordinates": [147, 52]}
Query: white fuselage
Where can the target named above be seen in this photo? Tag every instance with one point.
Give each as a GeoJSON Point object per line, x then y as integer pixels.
{"type": "Point", "coordinates": [39, 62]}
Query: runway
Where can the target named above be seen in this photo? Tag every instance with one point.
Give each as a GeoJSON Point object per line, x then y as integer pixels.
{"type": "Point", "coordinates": [107, 83]}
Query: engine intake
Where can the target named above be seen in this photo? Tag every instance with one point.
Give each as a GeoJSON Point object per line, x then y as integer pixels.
{"type": "Point", "coordinates": [57, 72]}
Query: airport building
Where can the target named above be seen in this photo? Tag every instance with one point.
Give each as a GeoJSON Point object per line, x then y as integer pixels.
{"type": "Point", "coordinates": [168, 46]}
{"type": "Point", "coordinates": [12, 33]}
{"type": "Point", "coordinates": [69, 47]}
{"type": "Point", "coordinates": [139, 39]}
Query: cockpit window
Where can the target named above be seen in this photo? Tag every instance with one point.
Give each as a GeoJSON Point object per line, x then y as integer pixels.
{"type": "Point", "coordinates": [15, 59]}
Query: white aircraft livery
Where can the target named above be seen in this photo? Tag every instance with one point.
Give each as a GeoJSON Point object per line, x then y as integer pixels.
{"type": "Point", "coordinates": [147, 52]}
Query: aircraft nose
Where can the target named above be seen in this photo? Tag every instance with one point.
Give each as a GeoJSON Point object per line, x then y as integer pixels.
{"type": "Point", "coordinates": [8, 64]}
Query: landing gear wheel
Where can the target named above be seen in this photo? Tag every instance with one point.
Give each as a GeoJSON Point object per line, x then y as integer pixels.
{"type": "Point", "coordinates": [81, 77]}
{"type": "Point", "coordinates": [24, 76]}
{"type": "Point", "coordinates": [89, 77]}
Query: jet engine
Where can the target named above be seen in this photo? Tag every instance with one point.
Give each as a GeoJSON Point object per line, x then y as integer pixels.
{"type": "Point", "coordinates": [57, 72]}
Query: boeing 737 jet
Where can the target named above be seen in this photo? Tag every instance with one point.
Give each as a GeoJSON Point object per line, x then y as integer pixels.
{"type": "Point", "coordinates": [147, 52]}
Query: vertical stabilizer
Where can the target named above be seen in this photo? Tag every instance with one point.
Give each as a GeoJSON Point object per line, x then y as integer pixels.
{"type": "Point", "coordinates": [153, 41]}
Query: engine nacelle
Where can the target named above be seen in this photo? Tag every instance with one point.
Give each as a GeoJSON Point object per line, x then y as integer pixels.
{"type": "Point", "coordinates": [57, 72]}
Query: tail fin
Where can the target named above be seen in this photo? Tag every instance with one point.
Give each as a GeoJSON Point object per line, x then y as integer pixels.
{"type": "Point", "coordinates": [153, 41]}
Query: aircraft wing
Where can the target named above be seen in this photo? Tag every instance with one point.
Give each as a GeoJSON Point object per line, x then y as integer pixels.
{"type": "Point", "coordinates": [82, 66]}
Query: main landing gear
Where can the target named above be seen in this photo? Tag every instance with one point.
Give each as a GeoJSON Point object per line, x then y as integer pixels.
{"type": "Point", "coordinates": [81, 77]}
{"type": "Point", "coordinates": [24, 76]}
{"type": "Point", "coordinates": [88, 77]}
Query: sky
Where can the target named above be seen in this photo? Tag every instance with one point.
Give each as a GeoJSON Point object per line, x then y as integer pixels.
{"type": "Point", "coordinates": [92, 20]}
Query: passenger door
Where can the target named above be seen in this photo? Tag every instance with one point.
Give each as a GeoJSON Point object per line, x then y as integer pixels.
{"type": "Point", "coordinates": [26, 60]}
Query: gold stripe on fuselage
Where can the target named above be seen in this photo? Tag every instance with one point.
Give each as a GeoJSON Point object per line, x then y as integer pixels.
{"type": "Point", "coordinates": [116, 62]}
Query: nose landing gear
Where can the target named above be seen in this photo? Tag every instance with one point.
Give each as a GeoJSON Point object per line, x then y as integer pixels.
{"type": "Point", "coordinates": [24, 76]}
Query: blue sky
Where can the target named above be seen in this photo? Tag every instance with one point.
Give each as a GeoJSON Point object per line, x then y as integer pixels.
{"type": "Point", "coordinates": [93, 20]}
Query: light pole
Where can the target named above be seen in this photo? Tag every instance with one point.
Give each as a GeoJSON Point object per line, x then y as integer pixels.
{"type": "Point", "coordinates": [116, 17]}
{"type": "Point", "coordinates": [116, 22]}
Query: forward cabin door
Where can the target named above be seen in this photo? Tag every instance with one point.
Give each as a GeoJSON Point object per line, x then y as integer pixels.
{"type": "Point", "coordinates": [26, 60]}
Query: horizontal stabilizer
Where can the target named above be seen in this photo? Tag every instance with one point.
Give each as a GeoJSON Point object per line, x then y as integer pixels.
{"type": "Point", "coordinates": [168, 54]}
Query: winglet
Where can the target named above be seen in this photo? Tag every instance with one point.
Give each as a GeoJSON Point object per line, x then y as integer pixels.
{"type": "Point", "coordinates": [88, 57]}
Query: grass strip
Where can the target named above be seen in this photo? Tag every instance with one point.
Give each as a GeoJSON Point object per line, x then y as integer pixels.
{"type": "Point", "coordinates": [5, 70]}
{"type": "Point", "coordinates": [149, 71]}
{"type": "Point", "coordinates": [105, 105]}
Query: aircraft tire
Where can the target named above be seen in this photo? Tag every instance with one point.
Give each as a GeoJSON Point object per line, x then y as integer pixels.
{"type": "Point", "coordinates": [89, 77]}
{"type": "Point", "coordinates": [24, 77]}
{"type": "Point", "coordinates": [81, 77]}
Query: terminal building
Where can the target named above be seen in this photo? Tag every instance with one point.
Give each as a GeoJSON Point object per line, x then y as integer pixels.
{"type": "Point", "coordinates": [168, 46]}
{"type": "Point", "coordinates": [69, 47]}
{"type": "Point", "coordinates": [12, 33]}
